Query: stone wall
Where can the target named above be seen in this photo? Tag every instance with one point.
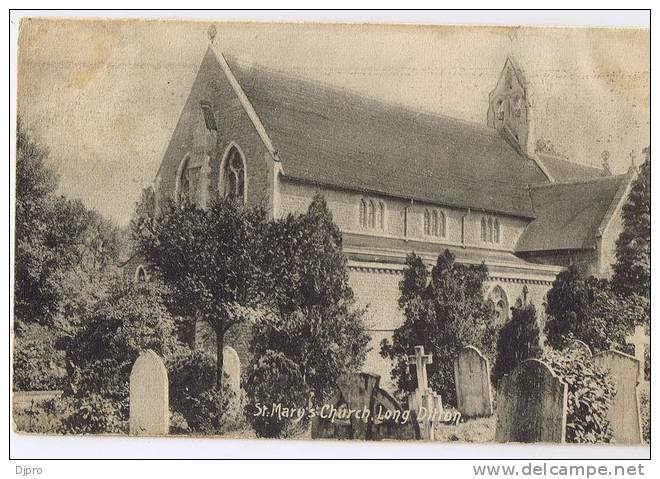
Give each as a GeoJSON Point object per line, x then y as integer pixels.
{"type": "Point", "coordinates": [295, 197]}
{"type": "Point", "coordinates": [377, 290]}
{"type": "Point", "coordinates": [587, 261]}
{"type": "Point", "coordinates": [207, 148]}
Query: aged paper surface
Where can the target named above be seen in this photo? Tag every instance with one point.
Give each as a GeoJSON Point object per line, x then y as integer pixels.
{"type": "Point", "coordinates": [332, 231]}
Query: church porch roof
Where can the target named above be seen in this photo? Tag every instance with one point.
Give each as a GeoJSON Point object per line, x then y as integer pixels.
{"type": "Point", "coordinates": [569, 216]}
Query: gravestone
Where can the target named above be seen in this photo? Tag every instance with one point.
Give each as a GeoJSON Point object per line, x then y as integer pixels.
{"type": "Point", "coordinates": [624, 412]}
{"type": "Point", "coordinates": [531, 405]}
{"type": "Point", "coordinates": [359, 409]}
{"type": "Point", "coordinates": [231, 367]}
{"type": "Point", "coordinates": [639, 340]}
{"type": "Point", "coordinates": [149, 396]}
{"type": "Point", "coordinates": [580, 347]}
{"type": "Point", "coordinates": [426, 404]}
{"type": "Point", "coordinates": [472, 377]}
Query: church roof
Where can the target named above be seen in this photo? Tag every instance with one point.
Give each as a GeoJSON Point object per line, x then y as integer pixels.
{"type": "Point", "coordinates": [570, 215]}
{"type": "Point", "coordinates": [330, 136]}
{"type": "Point", "coordinates": [563, 170]}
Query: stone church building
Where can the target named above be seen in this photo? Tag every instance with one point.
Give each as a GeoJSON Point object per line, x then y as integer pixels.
{"type": "Point", "coordinates": [396, 180]}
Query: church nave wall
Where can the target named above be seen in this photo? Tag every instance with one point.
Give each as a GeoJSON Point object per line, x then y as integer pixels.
{"type": "Point", "coordinates": [402, 218]}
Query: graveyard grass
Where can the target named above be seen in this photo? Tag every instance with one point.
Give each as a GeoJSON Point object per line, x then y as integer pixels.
{"type": "Point", "coordinates": [480, 429]}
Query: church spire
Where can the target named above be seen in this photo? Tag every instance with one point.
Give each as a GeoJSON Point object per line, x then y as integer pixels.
{"type": "Point", "coordinates": [508, 105]}
{"type": "Point", "coordinates": [211, 33]}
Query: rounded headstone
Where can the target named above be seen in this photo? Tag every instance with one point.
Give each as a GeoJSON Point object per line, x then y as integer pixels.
{"type": "Point", "coordinates": [231, 368]}
{"type": "Point", "coordinates": [149, 396]}
{"type": "Point", "coordinates": [624, 412]}
{"type": "Point", "coordinates": [472, 378]}
{"type": "Point", "coordinates": [531, 405]}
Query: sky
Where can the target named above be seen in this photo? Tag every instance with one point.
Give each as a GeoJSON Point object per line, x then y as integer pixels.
{"type": "Point", "coordinates": [105, 96]}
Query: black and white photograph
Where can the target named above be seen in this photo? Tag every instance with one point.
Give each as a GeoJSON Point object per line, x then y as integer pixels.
{"type": "Point", "coordinates": [331, 232]}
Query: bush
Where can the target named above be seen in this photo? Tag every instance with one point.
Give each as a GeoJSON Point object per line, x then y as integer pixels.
{"type": "Point", "coordinates": [102, 351]}
{"type": "Point", "coordinates": [519, 339]}
{"type": "Point", "coordinates": [632, 269]}
{"type": "Point", "coordinates": [93, 414]}
{"type": "Point", "coordinates": [314, 320]}
{"type": "Point", "coordinates": [645, 412]}
{"type": "Point", "coordinates": [270, 381]}
{"type": "Point", "coordinates": [444, 311]}
{"type": "Point", "coordinates": [38, 366]}
{"type": "Point", "coordinates": [587, 309]}
{"type": "Point", "coordinates": [590, 393]}
{"type": "Point", "coordinates": [40, 417]}
{"type": "Point", "coordinates": [193, 392]}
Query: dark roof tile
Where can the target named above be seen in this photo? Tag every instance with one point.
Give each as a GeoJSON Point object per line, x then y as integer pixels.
{"type": "Point", "coordinates": [330, 136]}
{"type": "Point", "coordinates": [563, 170]}
{"type": "Point", "coordinates": [568, 215]}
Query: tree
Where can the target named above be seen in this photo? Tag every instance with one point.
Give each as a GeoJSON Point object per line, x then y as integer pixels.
{"type": "Point", "coordinates": [519, 339]}
{"type": "Point", "coordinates": [57, 240]}
{"type": "Point", "coordinates": [587, 309]}
{"type": "Point", "coordinates": [442, 314]}
{"type": "Point", "coordinates": [35, 185]}
{"type": "Point", "coordinates": [274, 379]}
{"type": "Point", "coordinates": [194, 394]}
{"type": "Point", "coordinates": [590, 393]}
{"type": "Point", "coordinates": [108, 338]}
{"type": "Point", "coordinates": [632, 269]}
{"type": "Point", "coordinates": [211, 261]}
{"type": "Point", "coordinates": [65, 256]}
{"type": "Point", "coordinates": [312, 316]}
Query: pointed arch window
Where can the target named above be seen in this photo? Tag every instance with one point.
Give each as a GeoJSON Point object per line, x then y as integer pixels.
{"type": "Point", "coordinates": [372, 214]}
{"type": "Point", "coordinates": [501, 303]}
{"type": "Point", "coordinates": [517, 106]}
{"type": "Point", "coordinates": [364, 218]}
{"type": "Point", "coordinates": [233, 185]}
{"type": "Point", "coordinates": [427, 222]}
{"type": "Point", "coordinates": [490, 230]}
{"type": "Point", "coordinates": [434, 223]}
{"type": "Point", "coordinates": [442, 224]}
{"type": "Point", "coordinates": [184, 191]}
{"type": "Point", "coordinates": [499, 109]}
{"type": "Point", "coordinates": [381, 215]}
{"type": "Point", "coordinates": [141, 275]}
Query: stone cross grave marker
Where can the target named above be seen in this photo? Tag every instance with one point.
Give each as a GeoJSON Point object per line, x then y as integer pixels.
{"type": "Point", "coordinates": [624, 412]}
{"type": "Point", "coordinates": [149, 396]}
{"type": "Point", "coordinates": [639, 340]}
{"type": "Point", "coordinates": [531, 405]}
{"type": "Point", "coordinates": [420, 360]}
{"type": "Point", "coordinates": [231, 366]}
{"type": "Point", "coordinates": [426, 403]}
{"type": "Point", "coordinates": [472, 378]}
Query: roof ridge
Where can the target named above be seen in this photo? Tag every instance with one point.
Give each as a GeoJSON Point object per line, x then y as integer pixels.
{"type": "Point", "coordinates": [360, 95]}
{"type": "Point", "coordinates": [245, 101]}
{"type": "Point", "coordinates": [567, 159]}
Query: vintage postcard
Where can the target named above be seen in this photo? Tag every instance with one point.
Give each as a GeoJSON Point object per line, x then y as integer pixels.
{"type": "Point", "coordinates": [317, 231]}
